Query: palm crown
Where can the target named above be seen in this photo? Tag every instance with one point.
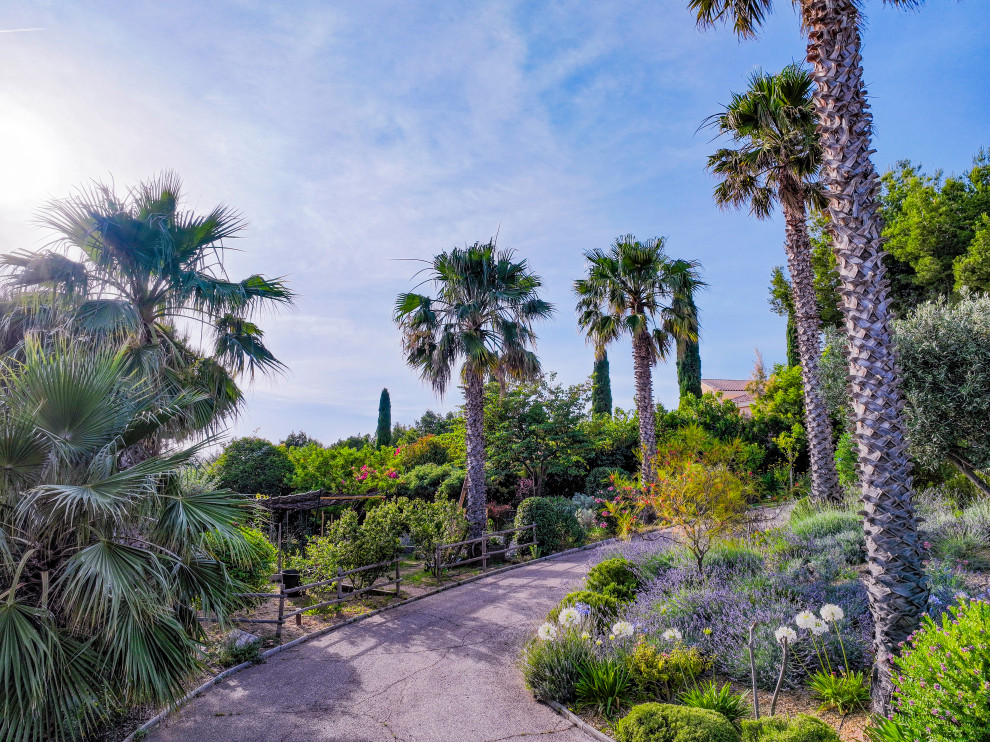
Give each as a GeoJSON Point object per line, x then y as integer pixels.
{"type": "Point", "coordinates": [778, 153]}
{"type": "Point", "coordinates": [138, 265]}
{"type": "Point", "coordinates": [636, 288]}
{"type": "Point", "coordinates": [483, 311]}
{"type": "Point", "coordinates": [106, 566]}
{"type": "Point", "coordinates": [748, 16]}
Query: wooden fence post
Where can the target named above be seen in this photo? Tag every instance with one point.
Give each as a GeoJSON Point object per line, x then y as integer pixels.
{"type": "Point", "coordinates": [436, 564]}
{"type": "Point", "coordinates": [484, 553]}
{"type": "Point", "coordinates": [281, 588]}
{"type": "Point", "coordinates": [340, 585]}
{"type": "Point", "coordinates": [398, 579]}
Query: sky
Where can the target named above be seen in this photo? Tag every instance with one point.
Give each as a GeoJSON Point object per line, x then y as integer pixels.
{"type": "Point", "coordinates": [355, 137]}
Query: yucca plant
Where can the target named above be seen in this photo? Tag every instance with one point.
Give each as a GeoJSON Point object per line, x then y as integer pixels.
{"type": "Point", "coordinates": [102, 566]}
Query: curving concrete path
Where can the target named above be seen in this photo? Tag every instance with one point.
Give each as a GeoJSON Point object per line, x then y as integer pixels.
{"type": "Point", "coordinates": [442, 669]}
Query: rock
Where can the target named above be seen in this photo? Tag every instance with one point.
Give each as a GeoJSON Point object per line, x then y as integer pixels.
{"type": "Point", "coordinates": [237, 639]}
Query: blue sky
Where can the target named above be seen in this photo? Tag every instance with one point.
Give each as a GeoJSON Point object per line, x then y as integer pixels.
{"type": "Point", "coordinates": [356, 134]}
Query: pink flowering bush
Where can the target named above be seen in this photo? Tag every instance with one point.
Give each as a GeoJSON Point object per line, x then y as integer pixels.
{"type": "Point", "coordinates": [942, 690]}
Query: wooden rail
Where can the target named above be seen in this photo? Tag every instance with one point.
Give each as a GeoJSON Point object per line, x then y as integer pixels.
{"type": "Point", "coordinates": [439, 565]}
{"type": "Point", "coordinates": [342, 596]}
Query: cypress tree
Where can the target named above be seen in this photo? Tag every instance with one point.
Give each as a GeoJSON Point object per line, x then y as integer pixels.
{"type": "Point", "coordinates": [689, 356]}
{"type": "Point", "coordinates": [689, 367]}
{"type": "Point", "coordinates": [384, 432]}
{"type": "Point", "coordinates": [601, 386]}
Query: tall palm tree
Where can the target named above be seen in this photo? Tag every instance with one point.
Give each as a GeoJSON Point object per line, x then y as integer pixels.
{"type": "Point", "coordinates": [103, 566]}
{"type": "Point", "coordinates": [776, 161]}
{"type": "Point", "coordinates": [483, 313]}
{"type": "Point", "coordinates": [896, 583]}
{"type": "Point", "coordinates": [635, 288]}
{"type": "Point", "coordinates": [138, 268]}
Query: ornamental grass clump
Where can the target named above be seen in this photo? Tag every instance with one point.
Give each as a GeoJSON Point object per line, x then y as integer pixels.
{"type": "Point", "coordinates": [942, 686]}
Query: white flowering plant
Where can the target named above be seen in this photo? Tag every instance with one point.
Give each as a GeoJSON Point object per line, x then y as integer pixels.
{"type": "Point", "coordinates": [836, 686]}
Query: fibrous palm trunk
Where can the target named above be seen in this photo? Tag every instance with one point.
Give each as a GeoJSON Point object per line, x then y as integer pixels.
{"type": "Point", "coordinates": [824, 477]}
{"type": "Point", "coordinates": [474, 423]}
{"type": "Point", "coordinates": [896, 584]}
{"type": "Point", "coordinates": [643, 372]}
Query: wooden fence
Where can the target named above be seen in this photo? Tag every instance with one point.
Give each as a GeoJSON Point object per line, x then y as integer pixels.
{"type": "Point", "coordinates": [439, 565]}
{"type": "Point", "coordinates": [342, 596]}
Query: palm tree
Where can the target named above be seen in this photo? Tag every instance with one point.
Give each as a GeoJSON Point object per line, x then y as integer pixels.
{"type": "Point", "coordinates": [104, 566]}
{"type": "Point", "coordinates": [896, 583]}
{"type": "Point", "coordinates": [485, 305]}
{"type": "Point", "coordinates": [636, 288]}
{"type": "Point", "coordinates": [777, 161]}
{"type": "Point", "coordinates": [135, 268]}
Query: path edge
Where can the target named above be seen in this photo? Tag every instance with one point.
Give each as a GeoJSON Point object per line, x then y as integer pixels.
{"type": "Point", "coordinates": [579, 722]}
{"type": "Point", "coordinates": [162, 715]}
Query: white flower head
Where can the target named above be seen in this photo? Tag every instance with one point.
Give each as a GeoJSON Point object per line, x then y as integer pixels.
{"type": "Point", "coordinates": [819, 627]}
{"type": "Point", "coordinates": [622, 629]}
{"type": "Point", "coordinates": [805, 619]}
{"type": "Point", "coordinates": [785, 632]}
{"type": "Point", "coordinates": [585, 635]}
{"type": "Point", "coordinates": [672, 635]}
{"type": "Point", "coordinates": [569, 617]}
{"type": "Point", "coordinates": [832, 612]}
{"type": "Point", "coordinates": [547, 632]}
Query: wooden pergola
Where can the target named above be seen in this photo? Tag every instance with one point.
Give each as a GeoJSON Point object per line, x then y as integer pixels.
{"type": "Point", "coordinates": [312, 500]}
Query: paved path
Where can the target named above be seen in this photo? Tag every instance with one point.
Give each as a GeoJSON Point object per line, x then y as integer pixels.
{"type": "Point", "coordinates": [442, 669]}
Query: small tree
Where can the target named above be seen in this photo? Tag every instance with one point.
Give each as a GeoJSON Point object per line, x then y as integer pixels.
{"type": "Point", "coordinates": [384, 432]}
{"type": "Point", "coordinates": [945, 360]}
{"type": "Point", "coordinates": [254, 466]}
{"type": "Point", "coordinates": [699, 492]}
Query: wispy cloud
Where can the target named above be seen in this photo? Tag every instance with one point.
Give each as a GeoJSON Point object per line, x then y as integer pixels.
{"type": "Point", "coordinates": [354, 135]}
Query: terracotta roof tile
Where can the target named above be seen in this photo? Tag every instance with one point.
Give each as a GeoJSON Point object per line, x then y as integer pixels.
{"type": "Point", "coordinates": [727, 385]}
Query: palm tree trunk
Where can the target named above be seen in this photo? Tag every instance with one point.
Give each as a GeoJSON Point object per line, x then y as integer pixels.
{"type": "Point", "coordinates": [896, 583]}
{"type": "Point", "coordinates": [474, 414]}
{"type": "Point", "coordinates": [824, 477]}
{"type": "Point", "coordinates": [643, 371]}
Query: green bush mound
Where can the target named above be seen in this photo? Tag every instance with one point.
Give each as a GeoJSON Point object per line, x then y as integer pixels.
{"type": "Point", "coordinates": [557, 526]}
{"type": "Point", "coordinates": [944, 671]}
{"type": "Point", "coordinates": [802, 728]}
{"type": "Point", "coordinates": [664, 722]}
{"type": "Point", "coordinates": [604, 608]}
{"type": "Point", "coordinates": [614, 577]}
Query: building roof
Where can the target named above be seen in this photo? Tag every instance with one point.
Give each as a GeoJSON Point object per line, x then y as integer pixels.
{"type": "Point", "coordinates": [727, 385]}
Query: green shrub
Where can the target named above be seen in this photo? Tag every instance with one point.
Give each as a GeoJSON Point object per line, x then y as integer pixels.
{"type": "Point", "coordinates": [664, 674]}
{"type": "Point", "coordinates": [827, 523]}
{"type": "Point", "coordinates": [709, 696]}
{"type": "Point", "coordinates": [430, 449]}
{"type": "Point", "coordinates": [656, 563]}
{"type": "Point", "coordinates": [433, 523]}
{"type": "Point", "coordinates": [802, 728]}
{"type": "Point", "coordinates": [846, 458]}
{"type": "Point", "coordinates": [944, 676]}
{"type": "Point", "coordinates": [557, 526]}
{"type": "Point", "coordinates": [424, 481]}
{"type": "Point", "coordinates": [604, 608]}
{"type": "Point", "coordinates": [450, 488]}
{"type": "Point", "coordinates": [552, 668]}
{"type": "Point", "coordinates": [604, 684]}
{"type": "Point", "coordinates": [252, 567]}
{"type": "Point", "coordinates": [614, 577]}
{"type": "Point", "coordinates": [661, 722]}
{"type": "Point", "coordinates": [254, 466]}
